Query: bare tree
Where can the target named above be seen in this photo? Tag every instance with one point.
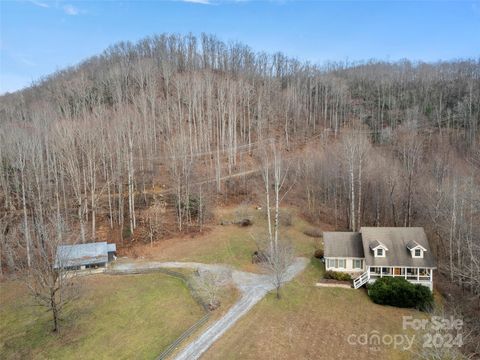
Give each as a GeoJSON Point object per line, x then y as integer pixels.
{"type": "Point", "coordinates": [208, 283]}
{"type": "Point", "coordinates": [427, 347]}
{"type": "Point", "coordinates": [355, 147]}
{"type": "Point", "coordinates": [409, 147]}
{"type": "Point", "coordinates": [274, 173]}
{"type": "Point", "coordinates": [48, 280]}
{"type": "Point", "coordinates": [277, 263]}
{"type": "Point", "coordinates": [153, 217]}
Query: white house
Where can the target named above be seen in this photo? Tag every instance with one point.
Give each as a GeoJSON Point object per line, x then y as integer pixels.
{"type": "Point", "coordinates": [375, 252]}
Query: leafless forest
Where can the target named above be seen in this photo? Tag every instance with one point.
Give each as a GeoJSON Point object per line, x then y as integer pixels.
{"type": "Point", "coordinates": [163, 129]}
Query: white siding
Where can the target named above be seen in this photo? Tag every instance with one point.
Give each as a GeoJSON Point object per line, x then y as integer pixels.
{"type": "Point", "coordinates": [349, 265]}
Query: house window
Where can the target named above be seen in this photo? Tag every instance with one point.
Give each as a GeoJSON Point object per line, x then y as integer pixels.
{"type": "Point", "coordinates": [332, 263]}
{"type": "Point", "coordinates": [357, 264]}
{"type": "Point", "coordinates": [380, 252]}
{"type": "Point", "coordinates": [418, 253]}
{"type": "Point", "coordinates": [336, 263]}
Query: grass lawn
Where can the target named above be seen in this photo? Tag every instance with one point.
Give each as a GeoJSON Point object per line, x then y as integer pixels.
{"type": "Point", "coordinates": [135, 317]}
{"type": "Point", "coordinates": [308, 322]}
{"type": "Point", "coordinates": [228, 244]}
{"type": "Point", "coordinates": [311, 323]}
{"type": "Point", "coordinates": [118, 317]}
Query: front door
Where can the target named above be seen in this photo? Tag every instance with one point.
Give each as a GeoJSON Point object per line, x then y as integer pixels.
{"type": "Point", "coordinates": [397, 271]}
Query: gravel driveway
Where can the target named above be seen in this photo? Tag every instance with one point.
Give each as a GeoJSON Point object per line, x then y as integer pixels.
{"type": "Point", "coordinates": [252, 286]}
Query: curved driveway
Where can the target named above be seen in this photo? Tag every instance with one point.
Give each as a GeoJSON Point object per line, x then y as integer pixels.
{"type": "Point", "coordinates": [252, 286]}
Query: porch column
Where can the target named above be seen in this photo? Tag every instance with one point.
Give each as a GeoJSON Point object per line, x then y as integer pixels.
{"type": "Point", "coordinates": [418, 274]}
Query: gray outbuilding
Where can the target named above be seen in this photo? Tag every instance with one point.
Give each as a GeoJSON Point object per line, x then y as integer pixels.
{"type": "Point", "coordinates": [84, 256]}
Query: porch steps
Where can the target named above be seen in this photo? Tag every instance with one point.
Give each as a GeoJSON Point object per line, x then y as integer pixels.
{"type": "Point", "coordinates": [361, 280]}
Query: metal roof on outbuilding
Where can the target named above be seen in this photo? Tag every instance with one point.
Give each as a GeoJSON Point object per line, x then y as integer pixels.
{"type": "Point", "coordinates": [83, 254]}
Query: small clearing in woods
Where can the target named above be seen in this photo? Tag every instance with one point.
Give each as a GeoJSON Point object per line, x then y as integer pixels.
{"type": "Point", "coordinates": [227, 244]}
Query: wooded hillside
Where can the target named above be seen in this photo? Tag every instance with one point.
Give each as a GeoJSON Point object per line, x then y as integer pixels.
{"type": "Point", "coordinates": [132, 137]}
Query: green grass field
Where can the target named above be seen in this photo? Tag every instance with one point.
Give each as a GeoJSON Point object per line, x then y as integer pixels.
{"type": "Point", "coordinates": [118, 317]}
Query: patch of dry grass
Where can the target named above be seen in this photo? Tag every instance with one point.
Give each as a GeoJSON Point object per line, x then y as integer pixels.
{"type": "Point", "coordinates": [228, 244]}
{"type": "Point", "coordinates": [311, 323]}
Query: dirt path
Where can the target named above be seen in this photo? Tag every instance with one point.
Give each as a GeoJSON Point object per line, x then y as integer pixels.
{"type": "Point", "coordinates": [252, 286]}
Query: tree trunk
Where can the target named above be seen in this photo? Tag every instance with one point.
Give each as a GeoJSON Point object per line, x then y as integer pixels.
{"type": "Point", "coordinates": [352, 197]}
{"type": "Point", "coordinates": [25, 220]}
{"type": "Point", "coordinates": [54, 309]}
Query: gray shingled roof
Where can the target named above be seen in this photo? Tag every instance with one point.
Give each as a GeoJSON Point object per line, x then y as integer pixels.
{"type": "Point", "coordinates": [413, 244]}
{"type": "Point", "coordinates": [374, 244]}
{"type": "Point", "coordinates": [396, 239]}
{"type": "Point", "coordinates": [342, 244]}
{"type": "Point", "coordinates": [83, 254]}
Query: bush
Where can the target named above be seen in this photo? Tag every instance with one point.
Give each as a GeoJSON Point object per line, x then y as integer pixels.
{"type": "Point", "coordinates": [340, 276]}
{"type": "Point", "coordinates": [245, 222]}
{"type": "Point", "coordinates": [259, 257]}
{"type": "Point", "coordinates": [400, 293]}
{"type": "Point", "coordinates": [313, 232]}
{"type": "Point", "coordinates": [318, 253]}
{"type": "Point", "coordinates": [126, 233]}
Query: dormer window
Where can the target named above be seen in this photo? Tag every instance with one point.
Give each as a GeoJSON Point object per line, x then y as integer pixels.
{"type": "Point", "coordinates": [417, 252]}
{"type": "Point", "coordinates": [379, 250]}
{"type": "Point", "coordinates": [416, 249]}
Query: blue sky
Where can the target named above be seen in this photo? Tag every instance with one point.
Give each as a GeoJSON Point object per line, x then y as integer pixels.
{"type": "Point", "coordinates": [38, 37]}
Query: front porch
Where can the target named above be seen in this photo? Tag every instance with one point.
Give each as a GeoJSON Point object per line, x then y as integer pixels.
{"type": "Point", "coordinates": [415, 275]}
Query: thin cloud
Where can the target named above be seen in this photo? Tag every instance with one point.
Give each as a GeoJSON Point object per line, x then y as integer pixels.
{"type": "Point", "coordinates": [203, 2]}
{"type": "Point", "coordinates": [26, 61]}
{"type": "Point", "coordinates": [39, 4]}
{"type": "Point", "coordinates": [18, 57]}
{"type": "Point", "coordinates": [67, 8]}
{"type": "Point", "coordinates": [71, 10]}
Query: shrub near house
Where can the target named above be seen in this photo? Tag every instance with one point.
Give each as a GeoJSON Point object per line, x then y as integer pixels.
{"type": "Point", "coordinates": [337, 276]}
{"type": "Point", "coordinates": [401, 293]}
